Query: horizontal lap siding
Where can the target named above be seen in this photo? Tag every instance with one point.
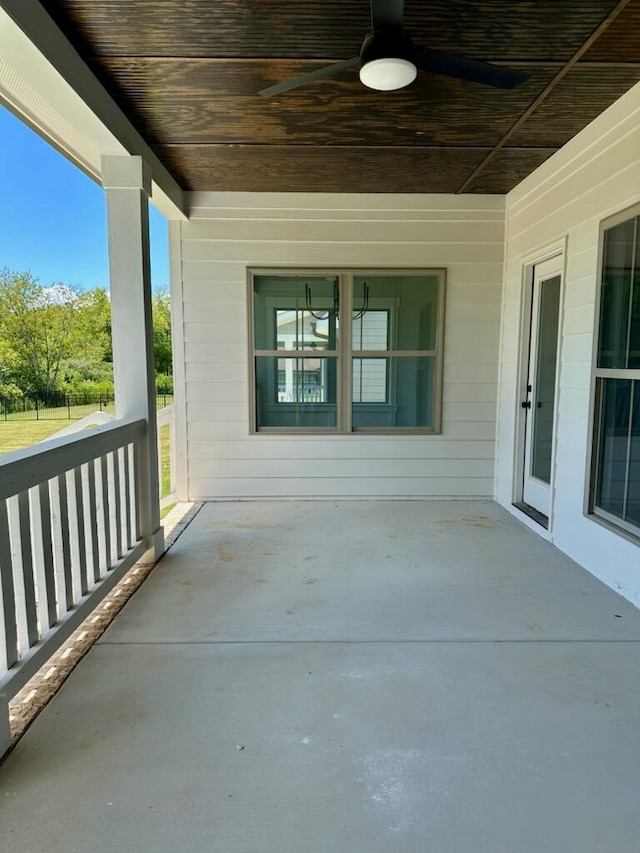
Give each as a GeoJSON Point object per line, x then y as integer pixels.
{"type": "Point", "coordinates": [593, 177]}
{"type": "Point", "coordinates": [229, 232]}
{"type": "Point", "coordinates": [342, 487]}
{"type": "Point", "coordinates": [326, 467]}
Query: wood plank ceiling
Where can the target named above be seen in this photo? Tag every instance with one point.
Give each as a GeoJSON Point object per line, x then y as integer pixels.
{"type": "Point", "coordinates": [188, 73]}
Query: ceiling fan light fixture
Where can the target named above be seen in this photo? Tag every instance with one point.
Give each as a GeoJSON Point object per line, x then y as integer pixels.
{"type": "Point", "coordinates": [388, 73]}
{"type": "Point", "coordinates": [389, 59]}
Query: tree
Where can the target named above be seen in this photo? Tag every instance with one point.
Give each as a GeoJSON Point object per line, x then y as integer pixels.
{"type": "Point", "coordinates": [58, 338]}
{"type": "Point", "coordinates": [161, 307]}
{"type": "Point", "coordinates": [43, 327]}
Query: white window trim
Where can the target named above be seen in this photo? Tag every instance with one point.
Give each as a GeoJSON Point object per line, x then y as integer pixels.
{"type": "Point", "coordinates": [345, 354]}
{"type": "Point", "coordinates": [595, 513]}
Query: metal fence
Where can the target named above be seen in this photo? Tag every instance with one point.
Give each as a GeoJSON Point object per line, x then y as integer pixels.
{"type": "Point", "coordinates": [62, 407]}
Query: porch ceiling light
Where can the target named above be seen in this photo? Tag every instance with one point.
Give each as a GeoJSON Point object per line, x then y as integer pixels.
{"type": "Point", "coordinates": [387, 61]}
{"type": "Point", "coordinates": [388, 74]}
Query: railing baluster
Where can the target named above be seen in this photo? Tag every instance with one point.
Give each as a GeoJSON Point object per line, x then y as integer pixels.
{"type": "Point", "coordinates": [13, 514]}
{"type": "Point", "coordinates": [93, 521]}
{"type": "Point", "coordinates": [131, 450]}
{"type": "Point", "coordinates": [66, 544]}
{"type": "Point", "coordinates": [28, 579]}
{"type": "Point", "coordinates": [58, 550]}
{"type": "Point", "coordinates": [126, 488]}
{"type": "Point", "coordinates": [47, 553]}
{"type": "Point", "coordinates": [113, 499]}
{"type": "Point", "coordinates": [118, 502]}
{"type": "Point", "coordinates": [82, 545]}
{"type": "Point", "coordinates": [106, 512]}
{"type": "Point", "coordinates": [124, 527]}
{"type": "Point", "coordinates": [136, 497]}
{"type": "Point", "coordinates": [103, 559]}
{"type": "Point", "coordinates": [8, 591]}
{"type": "Point", "coordinates": [37, 560]}
{"type": "Point", "coordinates": [74, 538]}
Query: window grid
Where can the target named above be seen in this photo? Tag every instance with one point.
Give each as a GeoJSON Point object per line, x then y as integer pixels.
{"type": "Point", "coordinates": [345, 355]}
{"type": "Point", "coordinates": [604, 375]}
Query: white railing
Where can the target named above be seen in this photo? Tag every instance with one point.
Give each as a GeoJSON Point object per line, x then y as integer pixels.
{"type": "Point", "coordinates": [93, 419]}
{"type": "Point", "coordinates": [68, 533]}
{"type": "Point", "coordinates": [315, 394]}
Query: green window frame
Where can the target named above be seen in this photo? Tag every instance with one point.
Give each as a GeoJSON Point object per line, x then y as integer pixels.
{"type": "Point", "coordinates": [614, 489]}
{"type": "Point", "coordinates": [311, 372]}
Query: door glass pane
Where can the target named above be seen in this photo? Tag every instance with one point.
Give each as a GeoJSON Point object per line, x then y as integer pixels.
{"type": "Point", "coordinates": [296, 392]}
{"type": "Point", "coordinates": [406, 304]}
{"type": "Point", "coordinates": [393, 392]}
{"type": "Point", "coordinates": [544, 395]}
{"type": "Point", "coordinates": [617, 300]}
{"type": "Point", "coordinates": [613, 449]}
{"type": "Point", "coordinates": [295, 312]}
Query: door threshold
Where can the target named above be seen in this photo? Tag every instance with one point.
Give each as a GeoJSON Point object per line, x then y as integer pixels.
{"type": "Point", "coordinates": [535, 514]}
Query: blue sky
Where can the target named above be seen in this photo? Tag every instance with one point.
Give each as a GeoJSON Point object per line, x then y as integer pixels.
{"type": "Point", "coordinates": [53, 219]}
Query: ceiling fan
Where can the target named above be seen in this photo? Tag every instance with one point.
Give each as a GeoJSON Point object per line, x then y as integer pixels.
{"type": "Point", "coordinates": [390, 60]}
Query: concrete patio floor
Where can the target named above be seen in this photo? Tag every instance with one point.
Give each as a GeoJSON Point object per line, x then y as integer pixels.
{"type": "Point", "coordinates": [342, 677]}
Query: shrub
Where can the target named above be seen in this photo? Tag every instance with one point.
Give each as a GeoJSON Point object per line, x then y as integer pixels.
{"type": "Point", "coordinates": [164, 383]}
{"type": "Point", "coordinates": [90, 388]}
{"type": "Point", "coordinates": [11, 391]}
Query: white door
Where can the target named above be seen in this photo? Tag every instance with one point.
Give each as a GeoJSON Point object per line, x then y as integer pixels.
{"type": "Point", "coordinates": [540, 401]}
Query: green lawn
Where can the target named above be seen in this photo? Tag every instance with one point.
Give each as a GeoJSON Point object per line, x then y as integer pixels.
{"type": "Point", "coordinates": [165, 512]}
{"type": "Point", "coordinates": [165, 458]}
{"type": "Point", "coordinates": [15, 435]}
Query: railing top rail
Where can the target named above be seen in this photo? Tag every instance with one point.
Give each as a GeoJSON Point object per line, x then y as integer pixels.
{"type": "Point", "coordinates": [26, 468]}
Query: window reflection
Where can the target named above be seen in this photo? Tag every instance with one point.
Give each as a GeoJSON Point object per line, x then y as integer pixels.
{"type": "Point", "coordinates": [393, 392]}
{"type": "Point", "coordinates": [619, 339]}
{"type": "Point", "coordinates": [294, 391]}
{"type": "Point", "coordinates": [299, 330]}
{"type": "Point", "coordinates": [295, 312]}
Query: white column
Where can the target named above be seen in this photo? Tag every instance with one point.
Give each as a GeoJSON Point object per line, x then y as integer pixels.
{"type": "Point", "coordinates": [127, 181]}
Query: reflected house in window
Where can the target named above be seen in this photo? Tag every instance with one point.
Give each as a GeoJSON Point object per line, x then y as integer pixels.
{"type": "Point", "coordinates": [301, 380]}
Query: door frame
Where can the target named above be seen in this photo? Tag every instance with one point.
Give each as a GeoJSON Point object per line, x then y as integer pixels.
{"type": "Point", "coordinates": [555, 250]}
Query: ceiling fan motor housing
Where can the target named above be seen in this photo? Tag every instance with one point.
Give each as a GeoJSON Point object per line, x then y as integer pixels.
{"type": "Point", "coordinates": [387, 60]}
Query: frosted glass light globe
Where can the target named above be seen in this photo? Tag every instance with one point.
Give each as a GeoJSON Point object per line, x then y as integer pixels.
{"type": "Point", "coordinates": [388, 73]}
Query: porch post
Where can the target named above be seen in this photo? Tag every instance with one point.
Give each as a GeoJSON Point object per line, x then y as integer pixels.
{"type": "Point", "coordinates": [127, 181]}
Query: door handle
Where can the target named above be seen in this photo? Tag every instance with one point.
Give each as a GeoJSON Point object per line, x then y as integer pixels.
{"type": "Point", "coordinates": [526, 404]}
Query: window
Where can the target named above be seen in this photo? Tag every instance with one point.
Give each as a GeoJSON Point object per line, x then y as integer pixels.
{"type": "Point", "coordinates": [615, 485]}
{"type": "Point", "coordinates": [312, 371]}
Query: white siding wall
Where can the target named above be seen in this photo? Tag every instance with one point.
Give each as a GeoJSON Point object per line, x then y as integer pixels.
{"type": "Point", "coordinates": [594, 176]}
{"type": "Point", "coordinates": [229, 232]}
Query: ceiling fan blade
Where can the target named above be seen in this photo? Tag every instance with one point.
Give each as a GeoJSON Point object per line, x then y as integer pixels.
{"type": "Point", "coordinates": [387, 14]}
{"type": "Point", "coordinates": [327, 71]}
{"type": "Point", "coordinates": [468, 69]}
